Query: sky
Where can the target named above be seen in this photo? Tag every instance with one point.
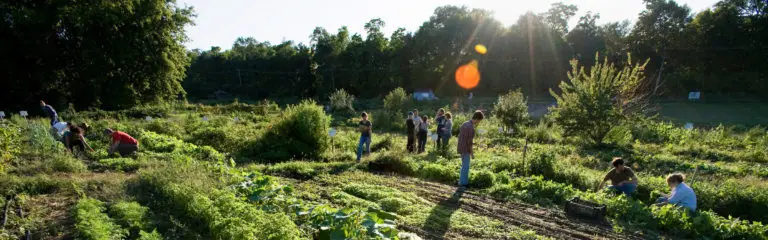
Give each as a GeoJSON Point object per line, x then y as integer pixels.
{"type": "Point", "coordinates": [220, 22]}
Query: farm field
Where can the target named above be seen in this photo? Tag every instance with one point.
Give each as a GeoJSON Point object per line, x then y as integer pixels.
{"type": "Point", "coordinates": [261, 171]}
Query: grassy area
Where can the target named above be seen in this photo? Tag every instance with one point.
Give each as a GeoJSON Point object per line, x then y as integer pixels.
{"type": "Point", "coordinates": [264, 172]}
{"type": "Point", "coordinates": [733, 113]}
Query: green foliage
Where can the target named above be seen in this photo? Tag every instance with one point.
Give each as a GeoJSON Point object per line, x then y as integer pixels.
{"type": "Point", "coordinates": [301, 133]}
{"type": "Point", "coordinates": [307, 170]}
{"type": "Point", "coordinates": [10, 143]}
{"type": "Point", "coordinates": [135, 218]}
{"type": "Point", "coordinates": [97, 67]}
{"type": "Point", "coordinates": [119, 164]}
{"type": "Point", "coordinates": [341, 102]}
{"type": "Point", "coordinates": [160, 143]}
{"type": "Point", "coordinates": [439, 172]}
{"type": "Point", "coordinates": [397, 101]}
{"type": "Point", "coordinates": [592, 103]}
{"type": "Point", "coordinates": [392, 161]}
{"type": "Point", "coordinates": [512, 110]}
{"type": "Point", "coordinates": [482, 179]}
{"type": "Point", "coordinates": [92, 223]}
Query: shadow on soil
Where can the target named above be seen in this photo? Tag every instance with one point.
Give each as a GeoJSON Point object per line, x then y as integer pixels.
{"type": "Point", "coordinates": [439, 219]}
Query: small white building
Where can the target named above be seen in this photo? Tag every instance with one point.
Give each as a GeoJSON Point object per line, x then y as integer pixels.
{"type": "Point", "coordinates": [424, 95]}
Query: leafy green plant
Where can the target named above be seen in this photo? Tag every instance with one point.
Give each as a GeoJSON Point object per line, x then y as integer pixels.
{"type": "Point", "coordinates": [135, 218]}
{"type": "Point", "coordinates": [591, 103]}
{"type": "Point", "coordinates": [301, 133]}
{"type": "Point", "coordinates": [92, 223]}
{"type": "Point", "coordinates": [512, 110]}
{"type": "Point", "coordinates": [341, 102]}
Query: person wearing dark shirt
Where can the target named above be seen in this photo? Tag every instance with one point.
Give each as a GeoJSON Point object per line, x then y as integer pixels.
{"type": "Point", "coordinates": [448, 129]}
{"type": "Point", "coordinates": [466, 144]}
{"type": "Point", "coordinates": [50, 112]}
{"type": "Point", "coordinates": [74, 139]}
{"type": "Point", "coordinates": [121, 142]}
{"type": "Point", "coordinates": [423, 129]}
{"type": "Point", "coordinates": [440, 121]}
{"type": "Point", "coordinates": [410, 133]}
{"type": "Point", "coordinates": [622, 178]}
{"type": "Point", "coordinates": [365, 136]}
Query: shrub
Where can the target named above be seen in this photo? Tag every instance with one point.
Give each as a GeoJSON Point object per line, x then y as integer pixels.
{"type": "Point", "coordinates": [307, 170]}
{"type": "Point", "coordinates": [118, 164]}
{"type": "Point", "coordinates": [512, 110]}
{"type": "Point", "coordinates": [164, 126]}
{"type": "Point", "coordinates": [395, 162]}
{"type": "Point", "coordinates": [541, 163]}
{"type": "Point", "coordinates": [592, 103]}
{"type": "Point", "coordinates": [61, 163]}
{"type": "Point", "coordinates": [92, 223]}
{"type": "Point", "coordinates": [302, 132]}
{"type": "Point", "coordinates": [341, 102]}
{"type": "Point", "coordinates": [397, 101]}
{"type": "Point", "coordinates": [393, 204]}
{"type": "Point", "coordinates": [440, 173]}
{"type": "Point", "coordinates": [10, 143]}
{"type": "Point", "coordinates": [482, 179]}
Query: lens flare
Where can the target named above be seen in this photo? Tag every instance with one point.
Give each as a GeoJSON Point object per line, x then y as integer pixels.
{"type": "Point", "coordinates": [468, 76]}
{"type": "Point", "coordinates": [480, 48]}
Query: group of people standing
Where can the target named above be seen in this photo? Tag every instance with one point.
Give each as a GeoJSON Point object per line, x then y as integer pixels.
{"type": "Point", "coordinates": [417, 130]}
{"type": "Point", "coordinates": [73, 135]}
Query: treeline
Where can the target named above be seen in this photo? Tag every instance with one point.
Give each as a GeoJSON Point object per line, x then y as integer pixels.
{"type": "Point", "coordinates": [719, 50]}
{"type": "Point", "coordinates": [104, 54]}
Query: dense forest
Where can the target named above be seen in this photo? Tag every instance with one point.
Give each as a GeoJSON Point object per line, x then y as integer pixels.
{"type": "Point", "coordinates": [719, 50]}
{"type": "Point", "coordinates": [118, 54]}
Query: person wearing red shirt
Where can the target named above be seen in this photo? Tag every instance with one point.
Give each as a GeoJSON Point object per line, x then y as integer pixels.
{"type": "Point", "coordinates": [121, 142]}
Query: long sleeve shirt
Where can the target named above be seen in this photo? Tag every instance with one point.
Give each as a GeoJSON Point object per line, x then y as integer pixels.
{"type": "Point", "coordinates": [466, 138]}
{"type": "Point", "coordinates": [683, 196]}
{"type": "Point", "coordinates": [448, 127]}
{"type": "Point", "coordinates": [49, 111]}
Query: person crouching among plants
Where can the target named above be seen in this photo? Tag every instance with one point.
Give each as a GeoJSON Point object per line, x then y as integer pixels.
{"type": "Point", "coordinates": [123, 143]}
{"type": "Point", "coordinates": [365, 136]}
{"type": "Point", "coordinates": [681, 194]}
{"type": "Point", "coordinates": [623, 179]}
{"type": "Point", "coordinates": [74, 138]}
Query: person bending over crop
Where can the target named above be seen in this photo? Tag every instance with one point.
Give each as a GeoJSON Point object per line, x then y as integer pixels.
{"type": "Point", "coordinates": [50, 112]}
{"type": "Point", "coordinates": [365, 136]}
{"type": "Point", "coordinates": [465, 145]}
{"type": "Point", "coordinates": [681, 194]}
{"type": "Point", "coordinates": [121, 142]}
{"type": "Point", "coordinates": [74, 139]}
{"type": "Point", "coordinates": [410, 133]}
{"type": "Point", "coordinates": [622, 178]}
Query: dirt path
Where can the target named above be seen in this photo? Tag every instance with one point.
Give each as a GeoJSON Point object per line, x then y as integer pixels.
{"type": "Point", "coordinates": [547, 222]}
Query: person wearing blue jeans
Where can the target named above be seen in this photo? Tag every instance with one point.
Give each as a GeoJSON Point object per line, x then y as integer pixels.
{"type": "Point", "coordinates": [365, 136]}
{"type": "Point", "coordinates": [623, 180]}
{"type": "Point", "coordinates": [50, 112]}
{"type": "Point", "coordinates": [465, 145]}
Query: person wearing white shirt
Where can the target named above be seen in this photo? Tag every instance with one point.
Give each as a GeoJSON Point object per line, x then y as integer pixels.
{"type": "Point", "coordinates": [681, 195]}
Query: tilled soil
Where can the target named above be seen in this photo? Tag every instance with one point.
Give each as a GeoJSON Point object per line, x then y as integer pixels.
{"type": "Point", "coordinates": [544, 221]}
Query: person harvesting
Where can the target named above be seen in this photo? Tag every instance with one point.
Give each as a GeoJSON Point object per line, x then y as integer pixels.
{"type": "Point", "coordinates": [466, 145]}
{"type": "Point", "coordinates": [50, 112]}
{"type": "Point", "coordinates": [681, 195]}
{"type": "Point", "coordinates": [365, 136]}
{"type": "Point", "coordinates": [622, 178]}
{"type": "Point", "coordinates": [122, 143]}
{"type": "Point", "coordinates": [74, 139]}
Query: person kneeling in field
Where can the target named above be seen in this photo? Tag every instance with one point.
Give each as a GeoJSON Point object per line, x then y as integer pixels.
{"type": "Point", "coordinates": [681, 195]}
{"type": "Point", "coordinates": [74, 139]}
{"type": "Point", "coordinates": [622, 178]}
{"type": "Point", "coordinates": [121, 142]}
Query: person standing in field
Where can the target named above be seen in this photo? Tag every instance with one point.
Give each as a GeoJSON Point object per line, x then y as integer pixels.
{"type": "Point", "coordinates": [440, 121]}
{"type": "Point", "coordinates": [410, 133]}
{"type": "Point", "coordinates": [50, 112]}
{"type": "Point", "coordinates": [365, 136]}
{"type": "Point", "coordinates": [416, 117]}
{"type": "Point", "coordinates": [681, 195]}
{"type": "Point", "coordinates": [622, 178]}
{"type": "Point", "coordinates": [122, 143]}
{"type": "Point", "coordinates": [447, 129]}
{"type": "Point", "coordinates": [422, 135]}
{"type": "Point", "coordinates": [466, 145]}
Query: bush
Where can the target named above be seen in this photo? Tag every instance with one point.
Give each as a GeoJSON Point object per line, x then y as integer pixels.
{"type": "Point", "coordinates": [61, 163]}
{"type": "Point", "coordinates": [341, 102]}
{"type": "Point", "coordinates": [118, 164]}
{"type": "Point", "coordinates": [397, 101]}
{"type": "Point", "coordinates": [440, 173]}
{"type": "Point", "coordinates": [592, 103]}
{"type": "Point", "coordinates": [395, 162]}
{"type": "Point", "coordinates": [482, 179]}
{"type": "Point", "coordinates": [302, 133]}
{"type": "Point", "coordinates": [10, 143]}
{"type": "Point", "coordinates": [512, 110]}
{"type": "Point", "coordinates": [393, 204]}
{"type": "Point", "coordinates": [92, 223]}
